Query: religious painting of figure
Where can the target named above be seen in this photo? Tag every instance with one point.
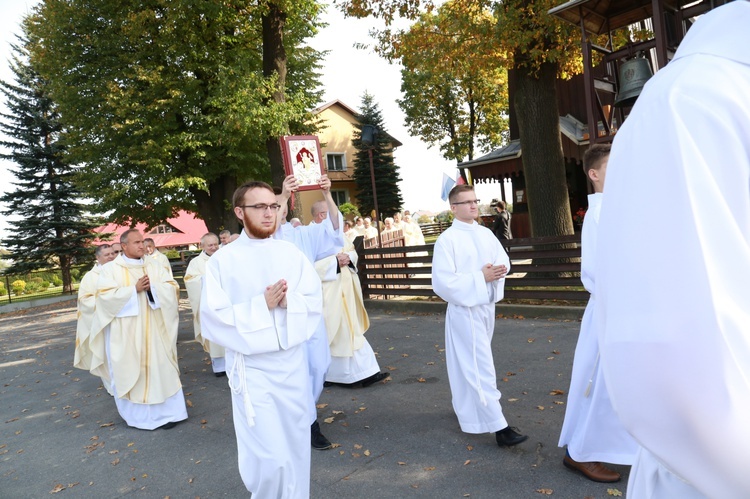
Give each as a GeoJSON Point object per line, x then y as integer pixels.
{"type": "Point", "coordinates": [302, 158]}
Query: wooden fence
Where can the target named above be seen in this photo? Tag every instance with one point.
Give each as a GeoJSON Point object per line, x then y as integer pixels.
{"type": "Point", "coordinates": [546, 268]}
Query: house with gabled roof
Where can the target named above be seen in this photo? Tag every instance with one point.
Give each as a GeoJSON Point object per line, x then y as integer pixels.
{"type": "Point", "coordinates": [182, 232]}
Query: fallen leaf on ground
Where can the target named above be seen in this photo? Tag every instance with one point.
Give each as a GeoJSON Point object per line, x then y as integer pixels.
{"type": "Point", "coordinates": [366, 452]}
{"type": "Point", "coordinates": [421, 380]}
{"type": "Point", "coordinates": [321, 406]}
{"type": "Point", "coordinates": [512, 400]}
{"type": "Point", "coordinates": [429, 468]}
{"type": "Point", "coordinates": [401, 463]}
{"type": "Point", "coordinates": [357, 446]}
{"type": "Point", "coordinates": [556, 392]}
{"type": "Point", "coordinates": [614, 492]}
{"type": "Point", "coordinates": [469, 447]}
{"type": "Point", "coordinates": [115, 462]}
{"type": "Point", "coordinates": [57, 488]}
{"type": "Point", "coordinates": [467, 462]}
{"type": "Point", "coordinates": [188, 403]}
{"type": "Point", "coordinates": [559, 402]}
{"type": "Point", "coordinates": [337, 412]}
{"type": "Point", "coordinates": [547, 492]}
{"type": "Point", "coordinates": [540, 407]}
{"type": "Point", "coordinates": [329, 420]}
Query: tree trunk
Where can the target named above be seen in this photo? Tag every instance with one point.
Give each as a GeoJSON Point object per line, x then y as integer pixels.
{"type": "Point", "coordinates": [274, 63]}
{"type": "Point", "coordinates": [535, 103]}
{"type": "Point", "coordinates": [215, 206]}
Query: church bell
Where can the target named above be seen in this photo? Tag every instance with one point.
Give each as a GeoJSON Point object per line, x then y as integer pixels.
{"type": "Point", "coordinates": [634, 73]}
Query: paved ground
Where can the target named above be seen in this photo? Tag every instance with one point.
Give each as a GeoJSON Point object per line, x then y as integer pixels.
{"type": "Point", "coordinates": [60, 431]}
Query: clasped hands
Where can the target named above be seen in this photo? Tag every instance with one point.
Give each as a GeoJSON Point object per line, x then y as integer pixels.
{"type": "Point", "coordinates": [142, 284]}
{"type": "Point", "coordinates": [275, 294]}
{"type": "Point", "coordinates": [494, 272]}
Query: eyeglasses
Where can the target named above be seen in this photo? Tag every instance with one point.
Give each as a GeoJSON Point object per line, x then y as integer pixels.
{"type": "Point", "coordinates": [117, 252]}
{"type": "Point", "coordinates": [473, 201]}
{"type": "Point", "coordinates": [262, 206]}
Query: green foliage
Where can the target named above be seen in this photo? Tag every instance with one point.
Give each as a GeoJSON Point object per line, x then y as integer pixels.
{"type": "Point", "coordinates": [349, 211]}
{"type": "Point", "coordinates": [444, 216]}
{"type": "Point", "coordinates": [56, 280]}
{"type": "Point", "coordinates": [172, 254]}
{"type": "Point", "coordinates": [386, 172]}
{"type": "Point", "coordinates": [18, 286]}
{"type": "Point", "coordinates": [454, 86]}
{"type": "Point", "coordinates": [75, 274]}
{"type": "Point", "coordinates": [49, 224]}
{"type": "Point", "coordinates": [166, 103]}
{"type": "Point", "coordinates": [424, 219]}
{"type": "Point", "coordinates": [35, 285]}
{"type": "Point", "coordinates": [3, 291]}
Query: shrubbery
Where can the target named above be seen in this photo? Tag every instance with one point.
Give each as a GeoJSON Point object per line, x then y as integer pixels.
{"type": "Point", "coordinates": [18, 286]}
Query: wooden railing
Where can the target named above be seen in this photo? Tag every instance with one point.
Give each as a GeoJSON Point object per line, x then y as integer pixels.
{"type": "Point", "coordinates": [546, 268]}
{"type": "Point", "coordinates": [434, 229]}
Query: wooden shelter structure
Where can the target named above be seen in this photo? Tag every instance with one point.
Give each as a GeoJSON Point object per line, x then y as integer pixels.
{"type": "Point", "coordinates": [586, 102]}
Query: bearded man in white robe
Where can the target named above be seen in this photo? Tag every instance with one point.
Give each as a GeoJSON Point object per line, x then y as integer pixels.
{"type": "Point", "coordinates": [468, 271]}
{"type": "Point", "coordinates": [153, 252]}
{"type": "Point", "coordinates": [262, 301]}
{"type": "Point", "coordinates": [86, 306]}
{"type": "Point", "coordinates": [134, 337]}
{"type": "Point", "coordinates": [353, 361]}
{"type": "Point", "coordinates": [672, 283]}
{"type": "Point", "coordinates": [194, 283]}
{"type": "Point", "coordinates": [592, 431]}
{"type": "Point", "coordinates": [317, 240]}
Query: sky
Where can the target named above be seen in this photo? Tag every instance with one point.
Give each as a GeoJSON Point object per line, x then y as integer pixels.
{"type": "Point", "coordinates": [347, 74]}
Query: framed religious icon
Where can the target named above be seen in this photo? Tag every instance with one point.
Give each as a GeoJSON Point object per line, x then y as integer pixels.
{"type": "Point", "coordinates": [302, 158]}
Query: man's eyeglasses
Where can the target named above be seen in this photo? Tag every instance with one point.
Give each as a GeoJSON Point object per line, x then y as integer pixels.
{"type": "Point", "coordinates": [117, 252]}
{"type": "Point", "coordinates": [473, 201]}
{"type": "Point", "coordinates": [262, 206]}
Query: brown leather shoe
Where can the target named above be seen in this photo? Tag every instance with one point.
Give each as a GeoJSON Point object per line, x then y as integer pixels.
{"type": "Point", "coordinates": [594, 471]}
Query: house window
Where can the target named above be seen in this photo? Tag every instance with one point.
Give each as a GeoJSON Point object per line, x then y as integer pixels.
{"type": "Point", "coordinates": [336, 162]}
{"type": "Point", "coordinates": [162, 229]}
{"type": "Point", "coordinates": [340, 197]}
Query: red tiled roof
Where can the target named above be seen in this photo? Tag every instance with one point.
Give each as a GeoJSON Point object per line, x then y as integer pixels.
{"type": "Point", "coordinates": [188, 229]}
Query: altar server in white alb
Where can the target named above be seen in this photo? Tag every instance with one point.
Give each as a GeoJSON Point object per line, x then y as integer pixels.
{"type": "Point", "coordinates": [153, 252]}
{"type": "Point", "coordinates": [194, 283]}
{"type": "Point", "coordinates": [468, 271]}
{"type": "Point", "coordinates": [353, 362]}
{"type": "Point", "coordinates": [262, 301]}
{"type": "Point", "coordinates": [592, 431]}
{"type": "Point", "coordinates": [134, 337]}
{"type": "Point", "coordinates": [673, 267]}
{"type": "Point", "coordinates": [317, 241]}
{"type": "Point", "coordinates": [86, 306]}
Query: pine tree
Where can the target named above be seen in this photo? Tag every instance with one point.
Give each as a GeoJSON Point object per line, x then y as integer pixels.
{"type": "Point", "coordinates": [48, 224]}
{"type": "Point", "coordinates": [386, 172]}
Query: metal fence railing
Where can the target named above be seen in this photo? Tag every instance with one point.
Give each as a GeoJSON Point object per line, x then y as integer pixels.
{"type": "Point", "coordinates": [38, 284]}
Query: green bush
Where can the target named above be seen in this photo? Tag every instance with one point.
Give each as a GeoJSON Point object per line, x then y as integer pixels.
{"type": "Point", "coordinates": [56, 280]}
{"type": "Point", "coordinates": [172, 254]}
{"type": "Point", "coordinates": [2, 289]}
{"type": "Point", "coordinates": [349, 211]}
{"type": "Point", "coordinates": [445, 216]}
{"type": "Point", "coordinates": [75, 274]}
{"type": "Point", "coordinates": [18, 286]}
{"type": "Point", "coordinates": [424, 219]}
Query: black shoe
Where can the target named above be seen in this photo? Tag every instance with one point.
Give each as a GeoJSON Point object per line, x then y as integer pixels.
{"type": "Point", "coordinates": [167, 426]}
{"type": "Point", "coordinates": [221, 374]}
{"type": "Point", "coordinates": [326, 384]}
{"type": "Point", "coordinates": [509, 437]}
{"type": "Point", "coordinates": [375, 378]}
{"type": "Point", "coordinates": [317, 439]}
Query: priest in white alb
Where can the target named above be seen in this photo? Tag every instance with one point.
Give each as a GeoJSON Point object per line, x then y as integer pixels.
{"type": "Point", "coordinates": [262, 301]}
{"type": "Point", "coordinates": [468, 271]}
{"type": "Point", "coordinates": [153, 252]}
{"type": "Point", "coordinates": [194, 283]}
{"type": "Point", "coordinates": [317, 240]}
{"type": "Point", "coordinates": [673, 267]}
{"type": "Point", "coordinates": [134, 337]}
{"type": "Point", "coordinates": [86, 306]}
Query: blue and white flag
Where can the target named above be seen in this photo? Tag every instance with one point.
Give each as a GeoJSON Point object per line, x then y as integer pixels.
{"type": "Point", "coordinates": [448, 184]}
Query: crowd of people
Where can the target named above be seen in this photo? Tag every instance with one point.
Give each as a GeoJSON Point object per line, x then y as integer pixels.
{"type": "Point", "coordinates": [659, 378]}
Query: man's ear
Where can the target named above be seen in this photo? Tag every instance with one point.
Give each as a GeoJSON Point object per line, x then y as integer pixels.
{"type": "Point", "coordinates": [593, 175]}
{"type": "Point", "coordinates": [238, 213]}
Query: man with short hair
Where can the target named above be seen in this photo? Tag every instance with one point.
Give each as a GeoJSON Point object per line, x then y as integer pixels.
{"type": "Point", "coordinates": [224, 238]}
{"type": "Point", "coordinates": [319, 211]}
{"type": "Point", "coordinates": [469, 266]}
{"type": "Point", "coordinates": [592, 431]}
{"type": "Point", "coordinates": [134, 337]}
{"type": "Point", "coordinates": [153, 252]}
{"type": "Point", "coordinates": [86, 306]}
{"type": "Point", "coordinates": [370, 231]}
{"type": "Point", "coordinates": [116, 249]}
{"type": "Point", "coordinates": [194, 283]}
{"type": "Point", "coordinates": [501, 225]}
{"type": "Point", "coordinates": [261, 300]}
